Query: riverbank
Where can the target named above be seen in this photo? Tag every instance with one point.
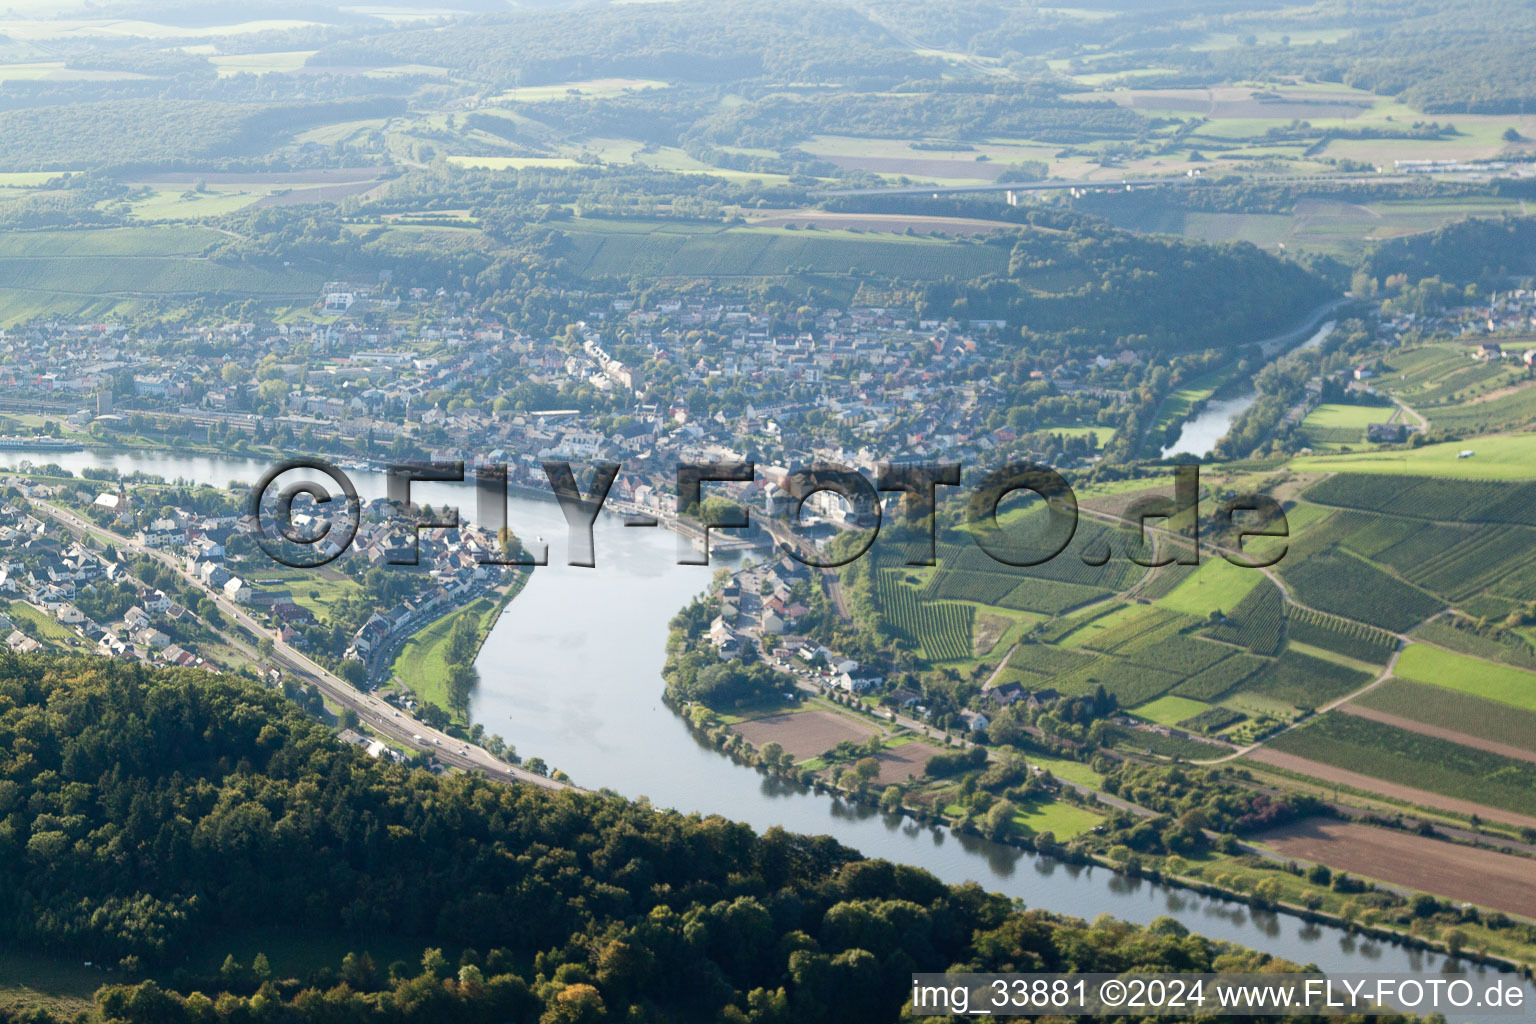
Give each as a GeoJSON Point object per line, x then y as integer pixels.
{"type": "Point", "coordinates": [1205, 409]}
{"type": "Point", "coordinates": [420, 668]}
{"type": "Point", "coordinates": [1238, 872]}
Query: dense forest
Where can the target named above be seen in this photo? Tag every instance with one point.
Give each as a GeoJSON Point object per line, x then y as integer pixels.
{"type": "Point", "coordinates": [148, 812]}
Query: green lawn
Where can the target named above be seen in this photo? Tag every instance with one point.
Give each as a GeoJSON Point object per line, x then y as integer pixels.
{"type": "Point", "coordinates": [1064, 819]}
{"type": "Point", "coordinates": [1332, 414]}
{"type": "Point", "coordinates": [1170, 710]}
{"type": "Point", "coordinates": [1453, 671]}
{"type": "Point", "coordinates": [1501, 457]}
{"type": "Point", "coordinates": [1072, 771]}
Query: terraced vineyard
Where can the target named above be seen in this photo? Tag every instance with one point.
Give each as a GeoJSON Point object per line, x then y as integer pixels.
{"type": "Point", "coordinates": [939, 630]}
{"type": "Point", "coordinates": [1333, 633]}
{"type": "Point", "coordinates": [1257, 622]}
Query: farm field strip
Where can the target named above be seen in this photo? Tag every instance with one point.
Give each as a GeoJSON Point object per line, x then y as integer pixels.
{"type": "Point", "coordinates": [1499, 881]}
{"type": "Point", "coordinates": [1450, 670]}
{"type": "Point", "coordinates": [1438, 732]}
{"type": "Point", "coordinates": [1399, 756]}
{"type": "Point", "coordinates": [805, 734]}
{"type": "Point", "coordinates": [1330, 774]}
{"type": "Point", "coordinates": [1459, 712]}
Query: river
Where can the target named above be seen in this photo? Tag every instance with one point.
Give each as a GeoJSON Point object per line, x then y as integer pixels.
{"type": "Point", "coordinates": [571, 673]}
{"type": "Point", "coordinates": [1200, 433]}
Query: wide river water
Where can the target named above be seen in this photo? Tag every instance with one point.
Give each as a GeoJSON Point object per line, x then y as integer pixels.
{"type": "Point", "coordinates": [571, 673]}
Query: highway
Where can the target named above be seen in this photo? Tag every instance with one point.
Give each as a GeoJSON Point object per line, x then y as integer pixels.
{"type": "Point", "coordinates": [380, 716]}
{"type": "Point", "coordinates": [1059, 184]}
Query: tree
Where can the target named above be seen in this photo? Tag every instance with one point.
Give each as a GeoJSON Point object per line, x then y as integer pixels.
{"type": "Point", "coordinates": [353, 672]}
{"type": "Point", "coordinates": [462, 678]}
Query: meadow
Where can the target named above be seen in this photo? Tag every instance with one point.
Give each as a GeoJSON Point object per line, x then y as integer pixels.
{"type": "Point", "coordinates": [1331, 425]}
{"type": "Point", "coordinates": [1501, 457]}
{"type": "Point", "coordinates": [1171, 710]}
{"type": "Point", "coordinates": [422, 663]}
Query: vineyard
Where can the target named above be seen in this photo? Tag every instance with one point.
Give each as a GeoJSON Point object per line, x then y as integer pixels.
{"type": "Point", "coordinates": [1221, 677]}
{"type": "Point", "coordinates": [1257, 622]}
{"type": "Point", "coordinates": [1475, 716]}
{"type": "Point", "coordinates": [601, 250]}
{"type": "Point", "coordinates": [1339, 582]}
{"type": "Point", "coordinates": [1459, 561]}
{"type": "Point", "coordinates": [1493, 643]}
{"type": "Point", "coordinates": [1332, 633]}
{"type": "Point", "coordinates": [1303, 681]}
{"type": "Point", "coordinates": [1411, 759]}
{"type": "Point", "coordinates": [1213, 720]}
{"type": "Point", "coordinates": [1418, 497]}
{"type": "Point", "coordinates": [939, 631]}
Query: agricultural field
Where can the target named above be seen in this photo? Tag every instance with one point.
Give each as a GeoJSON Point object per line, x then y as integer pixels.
{"type": "Point", "coordinates": [1424, 762]}
{"type": "Point", "coordinates": [806, 734]}
{"type": "Point", "coordinates": [1435, 705]}
{"type": "Point", "coordinates": [1331, 426]}
{"type": "Point", "coordinates": [1342, 636]}
{"type": "Point", "coordinates": [1482, 877]}
{"type": "Point", "coordinates": [1344, 584]}
{"type": "Point", "coordinates": [1303, 681]}
{"type": "Point", "coordinates": [1449, 670]}
{"type": "Point", "coordinates": [938, 630]}
{"type": "Point", "coordinates": [100, 271]}
{"type": "Point", "coordinates": [1217, 585]}
{"type": "Point", "coordinates": [604, 250]}
{"type": "Point", "coordinates": [1257, 622]}
{"type": "Point", "coordinates": [1171, 710]}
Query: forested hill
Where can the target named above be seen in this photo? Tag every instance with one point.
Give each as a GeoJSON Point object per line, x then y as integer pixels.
{"type": "Point", "coordinates": [147, 813]}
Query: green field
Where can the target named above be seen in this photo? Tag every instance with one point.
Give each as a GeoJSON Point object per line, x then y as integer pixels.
{"type": "Point", "coordinates": [44, 626]}
{"type": "Point", "coordinates": [1216, 585]}
{"type": "Point", "coordinates": [1331, 425]}
{"type": "Point", "coordinates": [137, 241]}
{"type": "Point", "coordinates": [1502, 457]}
{"type": "Point", "coordinates": [58, 985]}
{"type": "Point", "coordinates": [1449, 709]}
{"type": "Point", "coordinates": [1303, 681]}
{"type": "Point", "coordinates": [1453, 671]}
{"type": "Point", "coordinates": [1062, 819]}
{"type": "Point", "coordinates": [1171, 710]}
{"type": "Point", "coordinates": [1411, 759]}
